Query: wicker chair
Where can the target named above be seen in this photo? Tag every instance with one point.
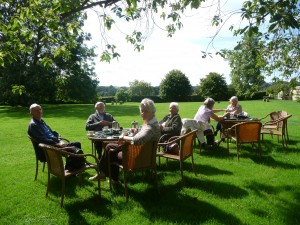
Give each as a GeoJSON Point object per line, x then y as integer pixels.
{"type": "Point", "coordinates": [136, 158]}
{"type": "Point", "coordinates": [186, 147]}
{"type": "Point", "coordinates": [278, 128]}
{"type": "Point", "coordinates": [246, 132]}
{"type": "Point", "coordinates": [56, 167]}
{"type": "Point", "coordinates": [39, 156]}
{"type": "Point", "coordinates": [273, 117]}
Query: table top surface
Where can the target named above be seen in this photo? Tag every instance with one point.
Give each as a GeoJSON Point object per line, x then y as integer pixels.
{"type": "Point", "coordinates": [111, 135]}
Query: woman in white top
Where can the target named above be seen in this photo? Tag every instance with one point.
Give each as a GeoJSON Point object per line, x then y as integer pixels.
{"type": "Point", "coordinates": [203, 115]}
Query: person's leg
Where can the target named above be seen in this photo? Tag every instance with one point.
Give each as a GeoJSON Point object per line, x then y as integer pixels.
{"type": "Point", "coordinates": [98, 147]}
{"type": "Point", "coordinates": [74, 144]}
{"type": "Point", "coordinates": [218, 128]}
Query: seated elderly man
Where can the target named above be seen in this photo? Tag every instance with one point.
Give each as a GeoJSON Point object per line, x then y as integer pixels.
{"type": "Point", "coordinates": [97, 121]}
{"type": "Point", "coordinates": [171, 124]}
{"type": "Point", "coordinates": [42, 133]}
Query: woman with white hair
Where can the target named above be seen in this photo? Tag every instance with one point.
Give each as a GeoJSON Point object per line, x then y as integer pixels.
{"type": "Point", "coordinates": [203, 115]}
{"type": "Point", "coordinates": [150, 131]}
{"type": "Point", "coordinates": [233, 109]}
{"type": "Point", "coordinates": [171, 124]}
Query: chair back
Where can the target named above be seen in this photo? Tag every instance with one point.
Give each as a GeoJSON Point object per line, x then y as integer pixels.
{"type": "Point", "coordinates": [39, 153]}
{"type": "Point", "coordinates": [139, 157]}
{"type": "Point", "coordinates": [187, 144]}
{"type": "Point", "coordinates": [248, 132]}
{"type": "Point", "coordinates": [54, 159]}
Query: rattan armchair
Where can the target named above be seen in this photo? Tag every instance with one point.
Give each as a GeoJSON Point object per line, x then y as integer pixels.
{"type": "Point", "coordinates": [186, 148]}
{"type": "Point", "coordinates": [246, 132]}
{"type": "Point", "coordinates": [136, 158]}
{"type": "Point", "coordinates": [56, 167]}
{"type": "Point", "coordinates": [39, 156]}
{"type": "Point", "coordinates": [280, 129]}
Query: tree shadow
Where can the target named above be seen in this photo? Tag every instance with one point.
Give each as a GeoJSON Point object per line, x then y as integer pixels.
{"type": "Point", "coordinates": [172, 206]}
{"type": "Point", "coordinates": [289, 209]}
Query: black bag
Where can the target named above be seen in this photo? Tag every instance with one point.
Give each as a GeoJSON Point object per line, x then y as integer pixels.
{"type": "Point", "coordinates": [74, 163]}
{"type": "Point", "coordinates": [172, 149]}
{"type": "Point", "coordinates": [210, 137]}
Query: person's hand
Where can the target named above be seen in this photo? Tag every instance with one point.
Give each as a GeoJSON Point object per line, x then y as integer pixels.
{"type": "Point", "coordinates": [103, 123]}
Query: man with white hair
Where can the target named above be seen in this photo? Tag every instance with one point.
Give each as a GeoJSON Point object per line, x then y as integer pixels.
{"type": "Point", "coordinates": [97, 121]}
{"type": "Point", "coordinates": [42, 133]}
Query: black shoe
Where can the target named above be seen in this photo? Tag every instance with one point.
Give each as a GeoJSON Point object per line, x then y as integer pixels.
{"type": "Point", "coordinates": [216, 133]}
{"type": "Point", "coordinates": [203, 145]}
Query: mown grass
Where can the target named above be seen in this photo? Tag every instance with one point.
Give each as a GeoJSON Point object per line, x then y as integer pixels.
{"type": "Point", "coordinates": [226, 191]}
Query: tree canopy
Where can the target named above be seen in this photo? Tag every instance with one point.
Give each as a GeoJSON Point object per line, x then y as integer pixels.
{"type": "Point", "coordinates": [38, 34]}
{"type": "Point", "coordinates": [214, 86]}
{"type": "Point", "coordinates": [175, 86]}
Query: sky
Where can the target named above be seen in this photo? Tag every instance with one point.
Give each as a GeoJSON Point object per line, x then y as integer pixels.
{"type": "Point", "coordinates": [162, 54]}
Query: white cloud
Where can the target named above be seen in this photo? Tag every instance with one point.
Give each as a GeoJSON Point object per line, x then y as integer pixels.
{"type": "Point", "coordinates": [163, 54]}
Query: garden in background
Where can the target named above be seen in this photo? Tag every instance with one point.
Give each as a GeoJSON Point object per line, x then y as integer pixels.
{"type": "Point", "coordinates": [252, 190]}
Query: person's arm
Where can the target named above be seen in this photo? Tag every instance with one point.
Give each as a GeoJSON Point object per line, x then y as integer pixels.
{"type": "Point", "coordinates": [92, 123]}
{"type": "Point", "coordinates": [218, 110]}
{"type": "Point", "coordinates": [35, 131]}
{"type": "Point", "coordinates": [174, 126]}
{"type": "Point", "coordinates": [216, 118]}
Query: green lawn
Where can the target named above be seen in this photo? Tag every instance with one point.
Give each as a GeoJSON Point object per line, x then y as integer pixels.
{"type": "Point", "coordinates": [226, 191]}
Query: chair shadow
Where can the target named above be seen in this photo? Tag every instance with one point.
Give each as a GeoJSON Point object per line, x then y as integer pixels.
{"type": "Point", "coordinates": [72, 182]}
{"type": "Point", "coordinates": [181, 207]}
{"type": "Point", "coordinates": [95, 205]}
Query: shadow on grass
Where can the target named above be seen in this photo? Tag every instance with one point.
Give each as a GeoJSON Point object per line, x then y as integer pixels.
{"type": "Point", "coordinates": [174, 207]}
{"type": "Point", "coordinates": [55, 187]}
{"type": "Point", "coordinates": [289, 209]}
{"type": "Point", "coordinates": [95, 205]}
{"type": "Point", "coordinates": [79, 111]}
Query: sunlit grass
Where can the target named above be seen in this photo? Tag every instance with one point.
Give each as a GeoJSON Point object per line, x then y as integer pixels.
{"type": "Point", "coordinates": [226, 191]}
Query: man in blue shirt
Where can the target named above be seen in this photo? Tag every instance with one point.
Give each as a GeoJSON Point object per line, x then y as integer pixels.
{"type": "Point", "coordinates": [42, 133]}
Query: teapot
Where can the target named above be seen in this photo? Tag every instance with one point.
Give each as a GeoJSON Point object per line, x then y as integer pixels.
{"type": "Point", "coordinates": [115, 125]}
{"type": "Point", "coordinates": [134, 124]}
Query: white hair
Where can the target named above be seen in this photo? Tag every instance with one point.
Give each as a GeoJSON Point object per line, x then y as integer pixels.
{"type": "Point", "coordinates": [98, 103]}
{"type": "Point", "coordinates": [209, 102]}
{"type": "Point", "coordinates": [33, 106]}
{"type": "Point", "coordinates": [233, 98]}
{"type": "Point", "coordinates": [148, 104]}
{"type": "Point", "coordinates": [175, 104]}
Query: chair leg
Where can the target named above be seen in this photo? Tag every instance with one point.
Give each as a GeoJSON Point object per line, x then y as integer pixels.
{"type": "Point", "coordinates": [48, 184]}
{"type": "Point", "coordinates": [193, 165]}
{"type": "Point", "coordinates": [62, 192]}
{"type": "Point", "coordinates": [181, 168]}
{"type": "Point", "coordinates": [125, 186]}
{"type": "Point", "coordinates": [36, 168]}
{"type": "Point", "coordinates": [237, 151]}
{"type": "Point", "coordinates": [44, 166]}
{"type": "Point", "coordinates": [99, 187]}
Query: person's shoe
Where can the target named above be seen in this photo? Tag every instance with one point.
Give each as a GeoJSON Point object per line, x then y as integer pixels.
{"type": "Point", "coordinates": [95, 178]}
{"type": "Point", "coordinates": [216, 133]}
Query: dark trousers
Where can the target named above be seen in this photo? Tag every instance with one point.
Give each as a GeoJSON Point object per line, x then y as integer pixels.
{"type": "Point", "coordinates": [98, 147]}
{"type": "Point", "coordinates": [115, 156]}
{"type": "Point", "coordinates": [74, 144]}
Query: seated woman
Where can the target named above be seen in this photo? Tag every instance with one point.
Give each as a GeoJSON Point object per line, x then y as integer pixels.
{"type": "Point", "coordinates": [233, 109]}
{"type": "Point", "coordinates": [203, 115]}
{"type": "Point", "coordinates": [150, 131]}
{"type": "Point", "coordinates": [171, 124]}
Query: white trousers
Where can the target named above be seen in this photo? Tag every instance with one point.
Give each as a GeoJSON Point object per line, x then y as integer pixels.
{"type": "Point", "coordinates": [193, 125]}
